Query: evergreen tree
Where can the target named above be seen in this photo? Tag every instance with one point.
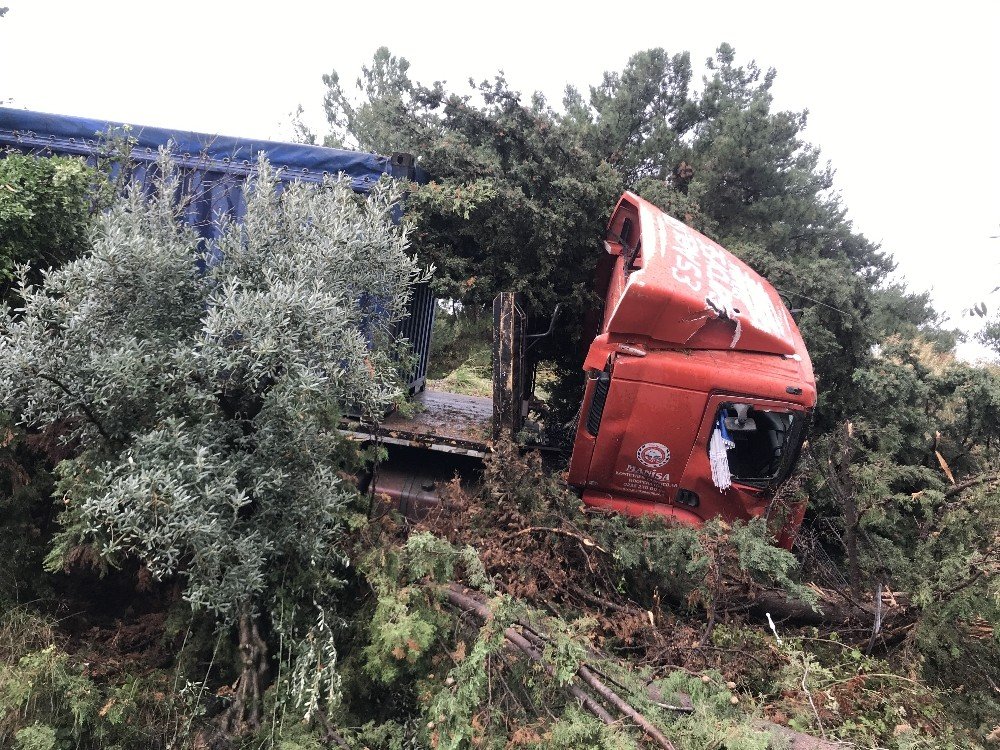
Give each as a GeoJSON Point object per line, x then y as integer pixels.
{"type": "Point", "coordinates": [517, 201]}
{"type": "Point", "coordinates": [521, 192]}
{"type": "Point", "coordinates": [44, 213]}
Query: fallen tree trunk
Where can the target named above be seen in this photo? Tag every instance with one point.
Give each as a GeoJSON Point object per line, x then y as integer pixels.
{"type": "Point", "coordinates": [465, 602]}
{"type": "Point", "coordinates": [784, 608]}
{"type": "Point", "coordinates": [833, 608]}
{"type": "Point", "coordinates": [531, 642]}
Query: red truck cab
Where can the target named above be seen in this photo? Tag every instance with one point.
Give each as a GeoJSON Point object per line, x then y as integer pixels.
{"type": "Point", "coordinates": [699, 386]}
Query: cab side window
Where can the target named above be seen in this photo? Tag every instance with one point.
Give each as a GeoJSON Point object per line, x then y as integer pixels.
{"type": "Point", "coordinates": [630, 253]}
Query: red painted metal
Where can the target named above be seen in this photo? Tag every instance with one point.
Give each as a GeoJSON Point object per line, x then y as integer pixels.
{"type": "Point", "coordinates": [687, 327]}
{"type": "Point", "coordinates": [683, 289]}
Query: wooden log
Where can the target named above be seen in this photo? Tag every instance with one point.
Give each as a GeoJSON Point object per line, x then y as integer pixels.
{"type": "Point", "coordinates": [615, 700]}
{"type": "Point", "coordinates": [531, 642]}
{"type": "Point", "coordinates": [586, 674]}
{"type": "Point", "coordinates": [468, 604]}
{"type": "Point", "coordinates": [832, 609]}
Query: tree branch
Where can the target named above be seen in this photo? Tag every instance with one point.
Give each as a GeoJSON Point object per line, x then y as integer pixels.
{"type": "Point", "coordinates": [962, 486]}
{"type": "Point", "coordinates": [86, 409]}
{"type": "Point", "coordinates": [555, 530]}
{"type": "Point", "coordinates": [468, 604]}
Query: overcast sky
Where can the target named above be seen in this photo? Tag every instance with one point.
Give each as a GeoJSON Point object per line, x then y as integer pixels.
{"type": "Point", "coordinates": [903, 97]}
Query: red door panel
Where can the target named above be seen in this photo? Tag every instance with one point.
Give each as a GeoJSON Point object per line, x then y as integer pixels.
{"type": "Point", "coordinates": [645, 439]}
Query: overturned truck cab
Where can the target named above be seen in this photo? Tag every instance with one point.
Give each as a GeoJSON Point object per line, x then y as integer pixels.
{"type": "Point", "coordinates": [699, 386]}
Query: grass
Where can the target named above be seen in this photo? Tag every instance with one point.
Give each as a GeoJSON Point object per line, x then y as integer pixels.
{"type": "Point", "coordinates": [460, 352]}
{"type": "Point", "coordinates": [467, 379]}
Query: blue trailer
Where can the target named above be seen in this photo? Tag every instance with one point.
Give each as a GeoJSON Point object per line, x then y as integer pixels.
{"type": "Point", "coordinates": [214, 169]}
{"type": "Point", "coordinates": [447, 430]}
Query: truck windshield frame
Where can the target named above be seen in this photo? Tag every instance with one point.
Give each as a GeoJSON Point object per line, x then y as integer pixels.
{"type": "Point", "coordinates": [766, 446]}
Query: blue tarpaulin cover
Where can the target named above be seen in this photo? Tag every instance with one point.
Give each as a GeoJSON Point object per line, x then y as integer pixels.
{"type": "Point", "coordinates": [214, 169]}
{"type": "Point", "coordinates": [61, 134]}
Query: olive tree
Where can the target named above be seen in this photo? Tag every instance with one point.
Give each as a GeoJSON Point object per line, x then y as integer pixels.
{"type": "Point", "coordinates": [201, 398]}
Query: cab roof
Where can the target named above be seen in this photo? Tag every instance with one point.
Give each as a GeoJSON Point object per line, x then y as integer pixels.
{"type": "Point", "coordinates": [683, 289]}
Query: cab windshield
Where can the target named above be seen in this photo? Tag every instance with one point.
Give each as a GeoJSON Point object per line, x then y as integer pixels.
{"type": "Point", "coordinates": [762, 443]}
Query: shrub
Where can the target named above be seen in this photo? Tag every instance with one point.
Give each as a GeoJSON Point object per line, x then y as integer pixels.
{"type": "Point", "coordinates": [202, 407]}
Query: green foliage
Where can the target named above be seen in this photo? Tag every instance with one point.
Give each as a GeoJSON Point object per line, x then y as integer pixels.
{"type": "Point", "coordinates": [636, 119]}
{"type": "Point", "coordinates": [48, 701]}
{"type": "Point", "coordinates": [894, 464]}
{"type": "Point", "coordinates": [427, 557]}
{"type": "Point", "coordinates": [469, 378]}
{"type": "Point", "coordinates": [697, 565]}
{"type": "Point", "coordinates": [911, 497]}
{"type": "Point", "coordinates": [45, 219]}
{"type": "Point", "coordinates": [407, 619]}
{"type": "Point", "coordinates": [990, 335]}
{"type": "Point", "coordinates": [676, 203]}
{"type": "Point", "coordinates": [958, 401]}
{"type": "Point", "coordinates": [203, 407]}
{"type": "Point", "coordinates": [455, 707]}
{"type": "Point", "coordinates": [26, 485]}
{"type": "Point", "coordinates": [41, 690]}
{"type": "Point", "coordinates": [36, 737]}
{"type": "Point", "coordinates": [716, 720]}
{"type": "Point", "coordinates": [44, 212]}
{"type": "Point", "coordinates": [942, 550]}
{"type": "Point", "coordinates": [912, 316]}
{"type": "Point", "coordinates": [860, 699]}
{"type": "Point", "coordinates": [513, 479]}
{"type": "Point", "coordinates": [576, 729]}
{"type": "Point", "coordinates": [566, 648]}
{"type": "Point", "coordinates": [313, 684]}
{"type": "Point", "coordinates": [400, 636]}
{"type": "Point", "coordinates": [461, 349]}
{"type": "Point", "coordinates": [389, 735]}
{"type": "Point", "coordinates": [45, 683]}
{"type": "Point", "coordinates": [206, 414]}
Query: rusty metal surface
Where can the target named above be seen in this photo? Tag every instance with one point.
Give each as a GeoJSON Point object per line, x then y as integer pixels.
{"type": "Point", "coordinates": [409, 490]}
{"type": "Point", "coordinates": [448, 422]}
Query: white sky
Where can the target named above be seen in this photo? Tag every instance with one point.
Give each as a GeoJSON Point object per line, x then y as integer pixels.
{"type": "Point", "coordinates": [903, 97]}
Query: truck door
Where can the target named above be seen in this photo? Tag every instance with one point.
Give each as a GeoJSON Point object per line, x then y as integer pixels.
{"type": "Point", "coordinates": [634, 436]}
{"type": "Point", "coordinates": [761, 443]}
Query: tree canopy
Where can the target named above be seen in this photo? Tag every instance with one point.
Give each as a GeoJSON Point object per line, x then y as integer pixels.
{"type": "Point", "coordinates": [521, 192]}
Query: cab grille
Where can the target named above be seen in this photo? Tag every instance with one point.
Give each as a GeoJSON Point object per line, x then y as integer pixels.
{"type": "Point", "coordinates": [596, 411]}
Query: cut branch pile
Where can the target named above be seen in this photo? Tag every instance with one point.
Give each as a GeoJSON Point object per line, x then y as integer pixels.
{"type": "Point", "coordinates": [523, 641]}
{"type": "Point", "coordinates": [527, 640]}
